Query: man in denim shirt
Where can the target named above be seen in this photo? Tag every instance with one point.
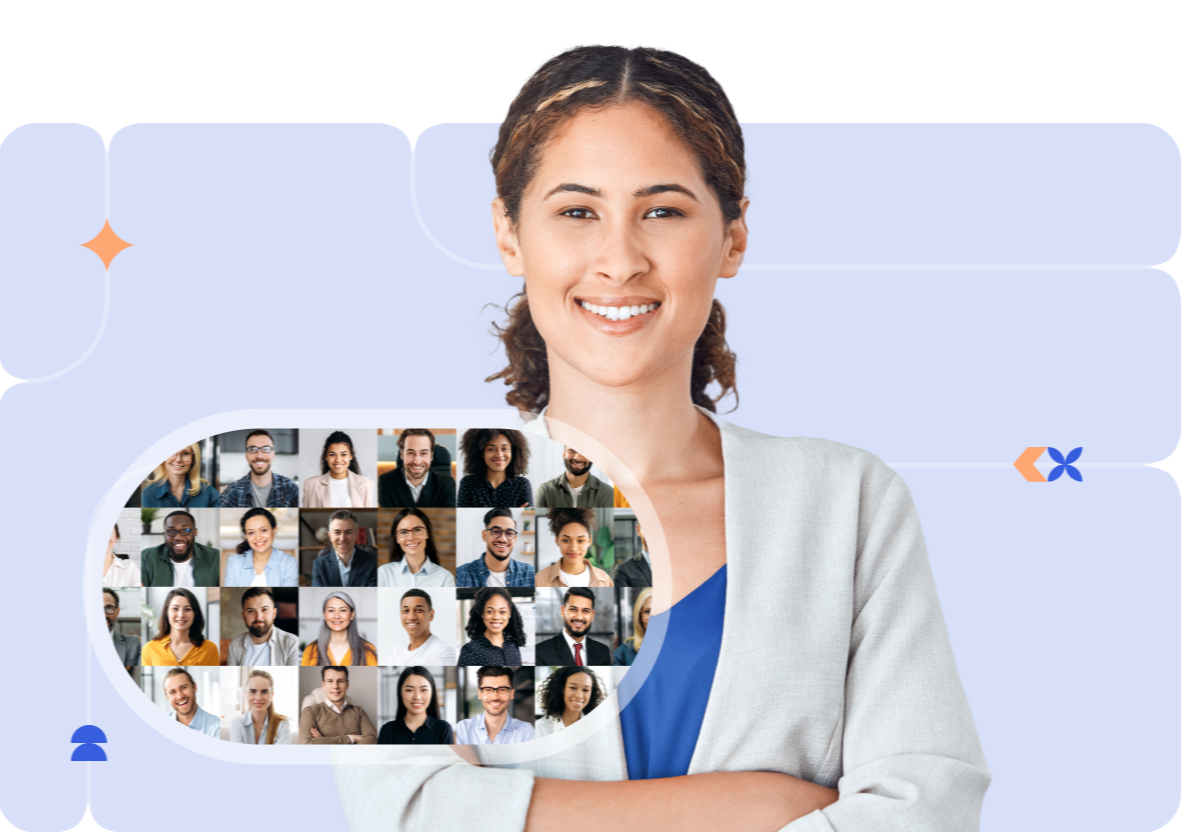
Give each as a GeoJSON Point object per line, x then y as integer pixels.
{"type": "Point", "coordinates": [262, 487]}
{"type": "Point", "coordinates": [496, 567]}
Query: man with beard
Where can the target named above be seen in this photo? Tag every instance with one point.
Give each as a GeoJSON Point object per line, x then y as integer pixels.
{"type": "Point", "coordinates": [576, 487]}
{"type": "Point", "coordinates": [264, 644]}
{"type": "Point", "coordinates": [413, 484]}
{"type": "Point", "coordinates": [126, 647]}
{"type": "Point", "coordinates": [181, 691]}
{"type": "Point", "coordinates": [494, 725]}
{"type": "Point", "coordinates": [496, 567]}
{"type": "Point", "coordinates": [261, 487]}
{"type": "Point", "coordinates": [180, 560]}
{"type": "Point", "coordinates": [573, 647]}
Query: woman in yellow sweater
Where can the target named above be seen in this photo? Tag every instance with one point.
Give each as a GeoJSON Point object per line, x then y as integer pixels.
{"type": "Point", "coordinates": [180, 640]}
{"type": "Point", "coordinates": [339, 639]}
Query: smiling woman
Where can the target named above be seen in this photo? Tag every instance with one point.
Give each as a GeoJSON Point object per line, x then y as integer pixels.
{"type": "Point", "coordinates": [177, 482]}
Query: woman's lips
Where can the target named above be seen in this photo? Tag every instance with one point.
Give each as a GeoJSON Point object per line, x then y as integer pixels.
{"type": "Point", "coordinates": [612, 323]}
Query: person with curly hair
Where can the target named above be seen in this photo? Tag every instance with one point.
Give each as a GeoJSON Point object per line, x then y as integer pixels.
{"type": "Point", "coordinates": [495, 461]}
{"type": "Point", "coordinates": [255, 562]}
{"type": "Point", "coordinates": [573, 531]}
{"type": "Point", "coordinates": [340, 484]}
{"type": "Point", "coordinates": [567, 694]}
{"type": "Point", "coordinates": [495, 630]}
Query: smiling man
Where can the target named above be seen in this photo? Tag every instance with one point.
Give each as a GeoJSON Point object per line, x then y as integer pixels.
{"type": "Point", "coordinates": [180, 560]}
{"type": "Point", "coordinates": [422, 647]}
{"type": "Point", "coordinates": [576, 487]}
{"type": "Point", "coordinates": [495, 725]}
{"type": "Point", "coordinates": [126, 647]}
{"type": "Point", "coordinates": [261, 486]}
{"type": "Point", "coordinates": [496, 567]}
{"type": "Point", "coordinates": [264, 644]}
{"type": "Point", "coordinates": [181, 691]}
{"type": "Point", "coordinates": [573, 647]}
{"type": "Point", "coordinates": [336, 721]}
{"type": "Point", "coordinates": [413, 484]}
{"type": "Point", "coordinates": [343, 563]}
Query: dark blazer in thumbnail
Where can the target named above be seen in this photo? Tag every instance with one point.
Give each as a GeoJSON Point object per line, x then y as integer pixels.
{"type": "Point", "coordinates": [363, 568]}
{"type": "Point", "coordinates": [554, 651]}
{"type": "Point", "coordinates": [439, 491]}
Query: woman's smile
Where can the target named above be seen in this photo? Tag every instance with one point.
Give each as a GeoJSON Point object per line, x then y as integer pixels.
{"type": "Point", "coordinates": [618, 316]}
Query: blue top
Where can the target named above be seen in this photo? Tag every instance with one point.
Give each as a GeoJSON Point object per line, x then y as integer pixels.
{"type": "Point", "coordinates": [158, 495]}
{"type": "Point", "coordinates": [280, 570]}
{"type": "Point", "coordinates": [661, 724]}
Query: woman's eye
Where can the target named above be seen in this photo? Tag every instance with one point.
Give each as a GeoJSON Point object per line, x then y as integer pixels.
{"type": "Point", "coordinates": [577, 214]}
{"type": "Point", "coordinates": [662, 213]}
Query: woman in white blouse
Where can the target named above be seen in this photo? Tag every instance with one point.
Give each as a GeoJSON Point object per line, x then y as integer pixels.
{"type": "Point", "coordinates": [567, 695]}
{"type": "Point", "coordinates": [340, 484]}
{"type": "Point", "coordinates": [261, 725]}
{"type": "Point", "coordinates": [573, 530]}
{"type": "Point", "coordinates": [118, 570]}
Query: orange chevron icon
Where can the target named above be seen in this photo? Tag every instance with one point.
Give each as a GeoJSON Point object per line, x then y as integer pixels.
{"type": "Point", "coordinates": [1024, 464]}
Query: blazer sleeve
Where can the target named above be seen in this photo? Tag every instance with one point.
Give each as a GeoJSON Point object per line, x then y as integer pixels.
{"type": "Point", "coordinates": [369, 735]}
{"type": "Point", "coordinates": [319, 573]}
{"type": "Point", "coordinates": [387, 490]}
{"type": "Point", "coordinates": [306, 496]}
{"type": "Point", "coordinates": [911, 755]}
{"type": "Point", "coordinates": [446, 494]}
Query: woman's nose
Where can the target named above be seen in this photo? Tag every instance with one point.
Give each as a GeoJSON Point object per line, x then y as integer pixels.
{"type": "Point", "coordinates": [621, 255]}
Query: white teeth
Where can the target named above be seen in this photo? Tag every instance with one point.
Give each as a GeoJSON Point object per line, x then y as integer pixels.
{"type": "Point", "coordinates": [619, 313]}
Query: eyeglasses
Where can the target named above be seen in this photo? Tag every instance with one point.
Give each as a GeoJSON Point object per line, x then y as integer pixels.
{"type": "Point", "coordinates": [418, 531]}
{"type": "Point", "coordinates": [499, 691]}
{"type": "Point", "coordinates": [110, 610]}
{"type": "Point", "coordinates": [174, 532]}
{"type": "Point", "coordinates": [256, 449]}
{"type": "Point", "coordinates": [496, 533]}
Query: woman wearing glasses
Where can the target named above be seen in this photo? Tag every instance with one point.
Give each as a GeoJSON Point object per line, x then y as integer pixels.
{"type": "Point", "coordinates": [180, 639]}
{"type": "Point", "coordinates": [417, 716]}
{"type": "Point", "coordinates": [496, 630]}
{"type": "Point", "coordinates": [261, 725]}
{"type": "Point", "coordinates": [177, 483]}
{"type": "Point", "coordinates": [414, 561]}
{"type": "Point", "coordinates": [255, 562]}
{"type": "Point", "coordinates": [573, 530]}
{"type": "Point", "coordinates": [339, 643]}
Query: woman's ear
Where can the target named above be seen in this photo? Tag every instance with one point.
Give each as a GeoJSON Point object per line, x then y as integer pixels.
{"type": "Point", "coordinates": [507, 240]}
{"type": "Point", "coordinates": [736, 240]}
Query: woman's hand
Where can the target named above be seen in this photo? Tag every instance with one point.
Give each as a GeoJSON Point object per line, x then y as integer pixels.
{"type": "Point", "coordinates": [749, 800]}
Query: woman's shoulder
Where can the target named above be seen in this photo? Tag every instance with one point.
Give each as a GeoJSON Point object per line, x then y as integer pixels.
{"type": "Point", "coordinates": [309, 657]}
{"type": "Point", "coordinates": [207, 654]}
{"type": "Point", "coordinates": [756, 456]}
{"type": "Point", "coordinates": [207, 497]}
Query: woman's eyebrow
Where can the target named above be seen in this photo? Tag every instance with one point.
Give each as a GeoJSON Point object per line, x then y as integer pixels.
{"type": "Point", "coordinates": [664, 189]}
{"type": "Point", "coordinates": [572, 187]}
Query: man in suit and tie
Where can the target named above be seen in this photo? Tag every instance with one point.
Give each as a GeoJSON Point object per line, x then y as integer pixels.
{"type": "Point", "coordinates": [573, 647]}
{"type": "Point", "coordinates": [343, 563]}
{"type": "Point", "coordinates": [414, 484]}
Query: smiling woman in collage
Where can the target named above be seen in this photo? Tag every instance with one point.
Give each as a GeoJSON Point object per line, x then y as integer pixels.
{"type": "Point", "coordinates": [799, 670]}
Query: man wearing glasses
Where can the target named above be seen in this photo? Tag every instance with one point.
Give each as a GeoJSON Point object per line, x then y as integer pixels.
{"type": "Point", "coordinates": [496, 567]}
{"type": "Point", "coordinates": [495, 725]}
{"type": "Point", "coordinates": [127, 647]}
{"type": "Point", "coordinates": [413, 484]}
{"type": "Point", "coordinates": [262, 486]}
{"type": "Point", "coordinates": [180, 560]}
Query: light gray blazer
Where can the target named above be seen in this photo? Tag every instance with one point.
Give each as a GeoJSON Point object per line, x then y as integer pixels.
{"type": "Point", "coordinates": [285, 649]}
{"type": "Point", "coordinates": [825, 555]}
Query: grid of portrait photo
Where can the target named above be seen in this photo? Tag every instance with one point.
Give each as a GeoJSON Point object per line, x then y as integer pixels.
{"type": "Point", "coordinates": [355, 586]}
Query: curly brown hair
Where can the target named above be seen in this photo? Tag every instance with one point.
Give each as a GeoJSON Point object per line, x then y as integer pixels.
{"type": "Point", "coordinates": [551, 692]}
{"type": "Point", "coordinates": [473, 445]}
{"type": "Point", "coordinates": [697, 109]}
{"type": "Point", "coordinates": [557, 518]}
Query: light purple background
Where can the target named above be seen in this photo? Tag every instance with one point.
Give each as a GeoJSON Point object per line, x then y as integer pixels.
{"type": "Point", "coordinates": [250, 241]}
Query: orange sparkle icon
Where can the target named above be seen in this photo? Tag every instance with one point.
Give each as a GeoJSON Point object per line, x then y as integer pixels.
{"type": "Point", "coordinates": [106, 244]}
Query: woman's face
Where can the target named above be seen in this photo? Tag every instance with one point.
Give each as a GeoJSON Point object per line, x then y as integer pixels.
{"type": "Point", "coordinates": [495, 615]}
{"type": "Point", "coordinates": [573, 541]}
{"type": "Point", "coordinates": [412, 536]}
{"type": "Point", "coordinates": [416, 693]}
{"type": "Point", "coordinates": [178, 464]}
{"type": "Point", "coordinates": [644, 615]}
{"type": "Point", "coordinates": [259, 533]}
{"type": "Point", "coordinates": [180, 613]}
{"type": "Point", "coordinates": [338, 615]}
{"type": "Point", "coordinates": [577, 692]}
{"type": "Point", "coordinates": [619, 216]}
{"type": "Point", "coordinates": [259, 693]}
{"type": "Point", "coordinates": [497, 453]}
{"type": "Point", "coordinates": [337, 457]}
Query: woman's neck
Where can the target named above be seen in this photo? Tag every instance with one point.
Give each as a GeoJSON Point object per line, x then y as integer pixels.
{"type": "Point", "coordinates": [259, 716]}
{"type": "Point", "coordinates": [344, 476]}
{"type": "Point", "coordinates": [261, 558]}
{"type": "Point", "coordinates": [496, 478]}
{"type": "Point", "coordinates": [496, 639]}
{"type": "Point", "coordinates": [338, 640]}
{"type": "Point", "coordinates": [179, 636]}
{"type": "Point", "coordinates": [414, 721]}
{"type": "Point", "coordinates": [177, 480]}
{"type": "Point", "coordinates": [576, 568]}
{"type": "Point", "coordinates": [571, 716]}
{"type": "Point", "coordinates": [415, 562]}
